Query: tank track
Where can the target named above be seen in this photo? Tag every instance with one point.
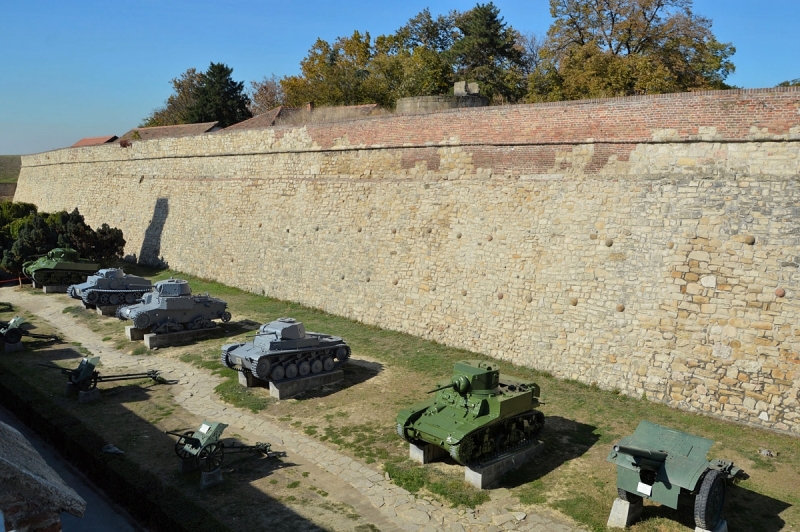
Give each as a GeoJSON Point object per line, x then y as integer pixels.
{"type": "Point", "coordinates": [104, 297]}
{"type": "Point", "coordinates": [58, 277]}
{"type": "Point", "coordinates": [467, 451]}
{"type": "Point", "coordinates": [300, 356]}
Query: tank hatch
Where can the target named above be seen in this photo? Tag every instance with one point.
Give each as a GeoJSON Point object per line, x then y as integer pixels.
{"type": "Point", "coordinates": [173, 288]}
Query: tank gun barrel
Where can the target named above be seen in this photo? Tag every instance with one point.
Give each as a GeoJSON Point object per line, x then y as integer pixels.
{"type": "Point", "coordinates": [446, 386]}
{"type": "Point", "coordinates": [638, 452]}
{"type": "Point", "coordinates": [65, 371]}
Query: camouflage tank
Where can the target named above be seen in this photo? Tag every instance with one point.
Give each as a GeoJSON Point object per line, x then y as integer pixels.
{"type": "Point", "coordinates": [111, 286]}
{"type": "Point", "coordinates": [58, 267]}
{"type": "Point", "coordinates": [171, 307]}
{"type": "Point", "coordinates": [480, 414]}
{"type": "Point", "coordinates": [282, 350]}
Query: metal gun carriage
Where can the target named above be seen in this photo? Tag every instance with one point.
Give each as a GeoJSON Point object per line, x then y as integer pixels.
{"type": "Point", "coordinates": [85, 377]}
{"type": "Point", "coordinates": [60, 266]}
{"type": "Point", "coordinates": [171, 307]}
{"type": "Point", "coordinates": [110, 287]}
{"type": "Point", "coordinates": [282, 350]}
{"type": "Point", "coordinates": [479, 415]}
{"type": "Point", "coordinates": [205, 446]}
{"type": "Point", "coordinates": [660, 463]}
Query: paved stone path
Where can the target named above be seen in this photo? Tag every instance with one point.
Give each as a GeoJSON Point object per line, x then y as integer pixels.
{"type": "Point", "coordinates": [397, 509]}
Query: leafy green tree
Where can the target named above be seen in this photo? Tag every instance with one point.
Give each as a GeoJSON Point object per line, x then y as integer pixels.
{"type": "Point", "coordinates": [219, 98]}
{"type": "Point", "coordinates": [598, 48]}
{"type": "Point", "coordinates": [423, 31]}
{"type": "Point", "coordinates": [176, 108]}
{"type": "Point", "coordinates": [487, 52]}
{"type": "Point", "coordinates": [333, 74]}
{"type": "Point", "coordinates": [790, 83]}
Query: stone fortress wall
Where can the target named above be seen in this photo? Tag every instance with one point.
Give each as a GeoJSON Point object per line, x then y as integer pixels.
{"type": "Point", "coordinates": [646, 244]}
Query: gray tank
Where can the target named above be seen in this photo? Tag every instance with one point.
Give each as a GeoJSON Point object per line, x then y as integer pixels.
{"type": "Point", "coordinates": [282, 350]}
{"type": "Point", "coordinates": [111, 287]}
{"type": "Point", "coordinates": [171, 307]}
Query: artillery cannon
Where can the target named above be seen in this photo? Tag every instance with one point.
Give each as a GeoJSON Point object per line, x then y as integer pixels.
{"type": "Point", "coordinates": [660, 463]}
{"type": "Point", "coordinates": [85, 377]}
{"type": "Point", "coordinates": [207, 449]}
{"type": "Point", "coordinates": [479, 415]}
{"type": "Point", "coordinates": [10, 330]}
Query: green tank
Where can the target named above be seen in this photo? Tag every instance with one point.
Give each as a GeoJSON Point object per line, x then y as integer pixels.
{"type": "Point", "coordinates": [479, 415]}
{"type": "Point", "coordinates": [61, 266]}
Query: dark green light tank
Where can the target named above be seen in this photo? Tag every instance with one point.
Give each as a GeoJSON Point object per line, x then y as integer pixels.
{"type": "Point", "coordinates": [61, 266]}
{"type": "Point", "coordinates": [480, 414]}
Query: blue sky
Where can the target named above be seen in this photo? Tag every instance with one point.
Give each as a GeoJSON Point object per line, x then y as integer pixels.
{"type": "Point", "coordinates": [87, 68]}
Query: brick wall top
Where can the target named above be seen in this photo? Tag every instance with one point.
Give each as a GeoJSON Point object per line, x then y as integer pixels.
{"type": "Point", "coordinates": [722, 116]}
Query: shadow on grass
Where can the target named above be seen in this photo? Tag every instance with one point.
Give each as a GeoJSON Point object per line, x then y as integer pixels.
{"type": "Point", "coordinates": [564, 440]}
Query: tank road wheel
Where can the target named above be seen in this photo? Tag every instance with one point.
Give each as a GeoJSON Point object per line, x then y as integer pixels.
{"type": "Point", "coordinates": [262, 368]}
{"type": "Point", "coordinates": [328, 364]}
{"type": "Point", "coordinates": [500, 443]}
{"type": "Point", "coordinates": [628, 496]}
{"type": "Point", "coordinates": [463, 452]}
{"type": "Point", "coordinates": [208, 324]}
{"type": "Point", "coordinates": [316, 366]}
{"type": "Point", "coordinates": [130, 298]}
{"type": "Point", "coordinates": [141, 320]}
{"type": "Point", "coordinates": [710, 500]}
{"type": "Point", "coordinates": [226, 317]}
{"type": "Point", "coordinates": [210, 457]}
{"type": "Point", "coordinates": [303, 368]}
{"type": "Point", "coordinates": [193, 325]}
{"type": "Point", "coordinates": [291, 371]}
{"type": "Point", "coordinates": [180, 446]}
{"type": "Point", "coordinates": [342, 354]}
{"type": "Point", "coordinates": [104, 299]}
{"type": "Point", "coordinates": [115, 299]}
{"type": "Point", "coordinates": [13, 336]}
{"type": "Point", "coordinates": [91, 297]}
{"type": "Point", "coordinates": [277, 373]}
{"type": "Point", "coordinates": [177, 327]}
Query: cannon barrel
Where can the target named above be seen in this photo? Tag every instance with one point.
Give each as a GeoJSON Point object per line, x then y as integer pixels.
{"type": "Point", "coordinates": [65, 371]}
{"type": "Point", "coordinates": [446, 386]}
{"type": "Point", "coordinates": [638, 452]}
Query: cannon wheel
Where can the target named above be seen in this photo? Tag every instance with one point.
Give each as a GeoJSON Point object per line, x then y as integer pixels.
{"type": "Point", "coordinates": [180, 446]}
{"type": "Point", "coordinates": [13, 336]}
{"type": "Point", "coordinates": [710, 500]}
{"type": "Point", "coordinates": [210, 457]}
{"type": "Point", "coordinates": [628, 496]}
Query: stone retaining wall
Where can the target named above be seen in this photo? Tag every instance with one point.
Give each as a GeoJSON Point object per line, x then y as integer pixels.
{"type": "Point", "coordinates": [647, 244]}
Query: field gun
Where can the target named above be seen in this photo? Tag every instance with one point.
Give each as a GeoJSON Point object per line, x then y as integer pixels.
{"type": "Point", "coordinates": [207, 449]}
{"type": "Point", "coordinates": [85, 377]}
{"type": "Point", "coordinates": [660, 463]}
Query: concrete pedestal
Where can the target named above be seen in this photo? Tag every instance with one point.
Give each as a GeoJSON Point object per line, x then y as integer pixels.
{"type": "Point", "coordinates": [88, 306]}
{"type": "Point", "coordinates": [108, 310]}
{"type": "Point", "coordinates": [71, 390]}
{"type": "Point", "coordinates": [187, 465]}
{"type": "Point", "coordinates": [426, 454]}
{"type": "Point", "coordinates": [89, 397]}
{"type": "Point", "coordinates": [248, 380]}
{"type": "Point", "coordinates": [624, 514]}
{"type": "Point", "coordinates": [13, 348]}
{"type": "Point", "coordinates": [488, 473]}
{"type": "Point", "coordinates": [721, 527]}
{"type": "Point", "coordinates": [55, 289]}
{"type": "Point", "coordinates": [133, 334]}
{"type": "Point", "coordinates": [287, 389]}
{"type": "Point", "coordinates": [212, 478]}
{"type": "Point", "coordinates": [152, 340]}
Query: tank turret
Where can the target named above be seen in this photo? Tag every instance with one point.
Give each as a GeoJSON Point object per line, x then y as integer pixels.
{"type": "Point", "coordinates": [478, 415]}
{"type": "Point", "coordinates": [110, 287]}
{"type": "Point", "coordinates": [171, 307]}
{"type": "Point", "coordinates": [60, 266]}
{"type": "Point", "coordinates": [282, 350]}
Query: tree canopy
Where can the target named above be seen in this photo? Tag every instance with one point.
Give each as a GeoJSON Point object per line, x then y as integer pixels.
{"type": "Point", "coordinates": [207, 96]}
{"type": "Point", "coordinates": [600, 48]}
{"type": "Point", "coordinates": [594, 48]}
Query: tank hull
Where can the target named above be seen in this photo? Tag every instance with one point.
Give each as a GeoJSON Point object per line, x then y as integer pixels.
{"type": "Point", "coordinates": [275, 359]}
{"type": "Point", "coordinates": [59, 267]}
{"type": "Point", "coordinates": [477, 417]}
{"type": "Point", "coordinates": [163, 313]}
{"type": "Point", "coordinates": [110, 287]}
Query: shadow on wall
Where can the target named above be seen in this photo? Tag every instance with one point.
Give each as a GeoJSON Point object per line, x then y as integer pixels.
{"type": "Point", "coordinates": [151, 244]}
